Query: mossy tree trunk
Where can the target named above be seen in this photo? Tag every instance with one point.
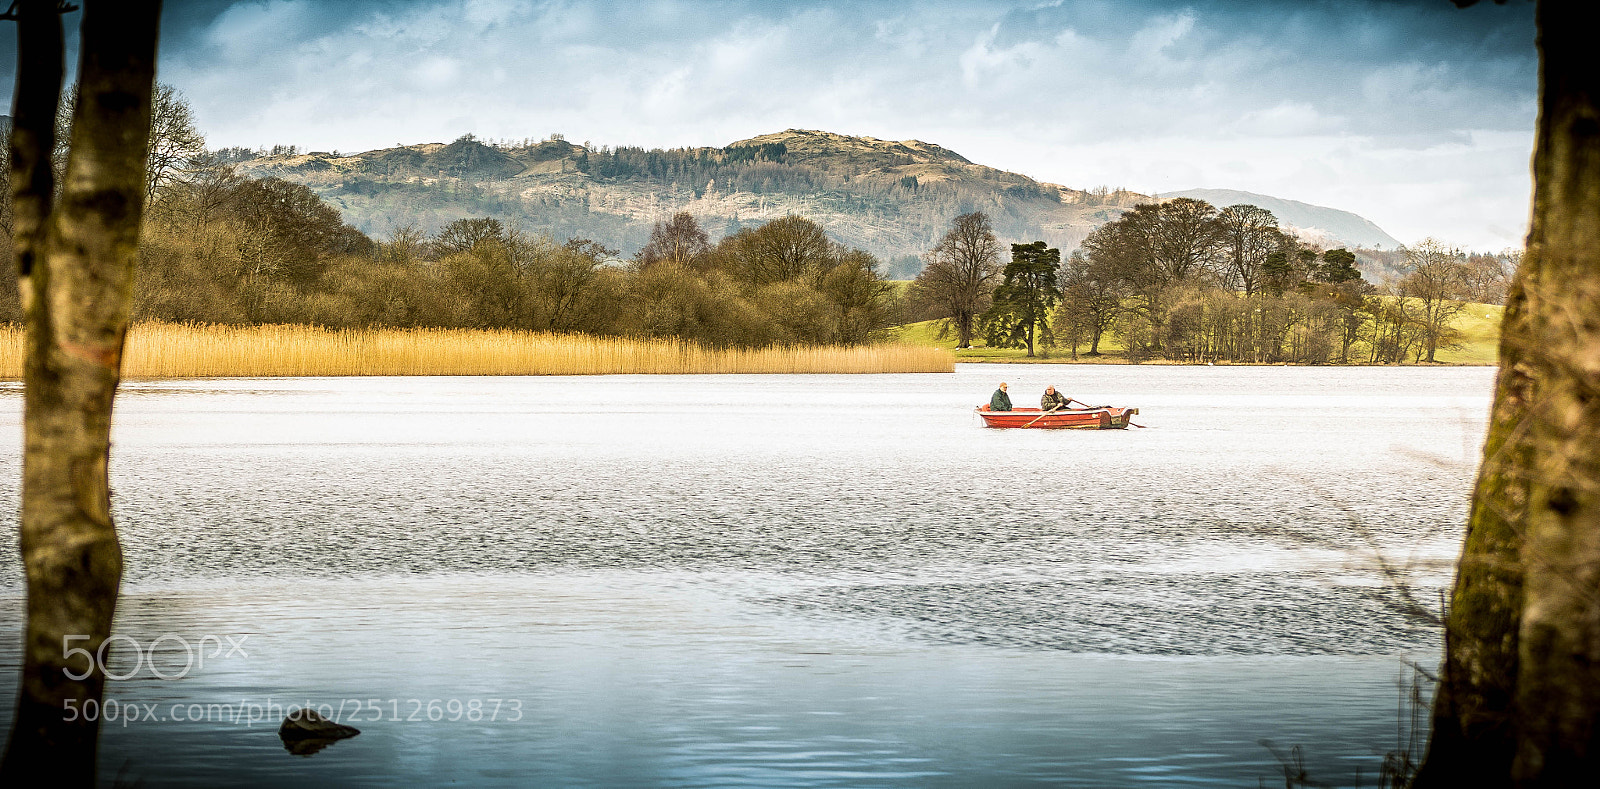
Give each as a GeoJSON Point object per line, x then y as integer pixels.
{"type": "Point", "coordinates": [1519, 699]}
{"type": "Point", "coordinates": [75, 256]}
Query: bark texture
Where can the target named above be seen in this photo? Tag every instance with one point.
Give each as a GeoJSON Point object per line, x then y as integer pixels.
{"type": "Point", "coordinates": [76, 262]}
{"type": "Point", "coordinates": [1519, 699]}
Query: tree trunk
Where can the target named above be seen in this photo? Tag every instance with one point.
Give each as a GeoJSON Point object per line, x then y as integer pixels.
{"type": "Point", "coordinates": [76, 264]}
{"type": "Point", "coordinates": [1519, 699]}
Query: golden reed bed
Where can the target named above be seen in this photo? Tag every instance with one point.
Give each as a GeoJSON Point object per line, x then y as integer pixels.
{"type": "Point", "coordinates": [164, 350]}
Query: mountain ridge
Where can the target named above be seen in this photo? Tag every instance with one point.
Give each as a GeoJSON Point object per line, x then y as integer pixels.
{"type": "Point", "coordinates": [1311, 222]}
{"type": "Point", "coordinates": [892, 198]}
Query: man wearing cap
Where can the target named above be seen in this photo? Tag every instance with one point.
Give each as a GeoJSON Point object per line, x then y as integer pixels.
{"type": "Point", "coordinates": [1000, 401]}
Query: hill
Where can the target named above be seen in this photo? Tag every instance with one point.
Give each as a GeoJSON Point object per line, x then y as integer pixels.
{"type": "Point", "coordinates": [1328, 226]}
{"type": "Point", "coordinates": [892, 198]}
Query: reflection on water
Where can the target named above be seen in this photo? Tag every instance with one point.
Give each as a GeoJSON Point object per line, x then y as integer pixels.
{"type": "Point", "coordinates": [771, 580]}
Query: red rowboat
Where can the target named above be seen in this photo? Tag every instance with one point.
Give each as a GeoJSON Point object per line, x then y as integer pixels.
{"type": "Point", "coordinates": [1101, 418]}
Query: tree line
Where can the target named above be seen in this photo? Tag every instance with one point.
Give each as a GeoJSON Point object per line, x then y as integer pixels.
{"type": "Point", "coordinates": [217, 247]}
{"type": "Point", "coordinates": [1179, 280]}
{"type": "Point", "coordinates": [1186, 281]}
{"type": "Point", "coordinates": [227, 250]}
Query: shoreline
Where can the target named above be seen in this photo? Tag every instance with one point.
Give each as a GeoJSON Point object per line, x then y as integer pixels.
{"type": "Point", "coordinates": [164, 351]}
{"type": "Point", "coordinates": [1115, 362]}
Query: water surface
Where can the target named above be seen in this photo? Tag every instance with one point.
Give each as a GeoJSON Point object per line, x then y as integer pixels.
{"type": "Point", "coordinates": [783, 580]}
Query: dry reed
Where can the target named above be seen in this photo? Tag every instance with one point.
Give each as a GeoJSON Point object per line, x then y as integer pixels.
{"type": "Point", "coordinates": [166, 350]}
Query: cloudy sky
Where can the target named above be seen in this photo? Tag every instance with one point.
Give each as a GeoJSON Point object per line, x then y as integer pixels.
{"type": "Point", "coordinates": [1416, 115]}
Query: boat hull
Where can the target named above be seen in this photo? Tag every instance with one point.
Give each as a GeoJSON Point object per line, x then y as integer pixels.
{"type": "Point", "coordinates": [1074, 419]}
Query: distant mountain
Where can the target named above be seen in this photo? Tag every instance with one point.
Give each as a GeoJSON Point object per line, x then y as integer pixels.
{"type": "Point", "coordinates": [894, 199]}
{"type": "Point", "coordinates": [1328, 226]}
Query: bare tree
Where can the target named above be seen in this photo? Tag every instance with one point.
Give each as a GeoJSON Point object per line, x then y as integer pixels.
{"type": "Point", "coordinates": [782, 250]}
{"type": "Point", "coordinates": [464, 234]}
{"type": "Point", "coordinates": [1157, 248]}
{"type": "Point", "coordinates": [1486, 277]}
{"type": "Point", "coordinates": [210, 188]}
{"type": "Point", "coordinates": [75, 258]}
{"type": "Point", "coordinates": [1248, 234]}
{"type": "Point", "coordinates": [961, 274]}
{"type": "Point", "coordinates": [1518, 702]}
{"type": "Point", "coordinates": [562, 281]}
{"type": "Point", "coordinates": [1091, 299]}
{"type": "Point", "coordinates": [1186, 238]}
{"type": "Point", "coordinates": [859, 295]}
{"type": "Point", "coordinates": [678, 240]}
{"type": "Point", "coordinates": [175, 143]}
{"type": "Point", "coordinates": [405, 244]}
{"type": "Point", "coordinates": [1436, 280]}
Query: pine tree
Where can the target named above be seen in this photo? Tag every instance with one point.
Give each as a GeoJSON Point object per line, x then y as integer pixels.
{"type": "Point", "coordinates": [1020, 315]}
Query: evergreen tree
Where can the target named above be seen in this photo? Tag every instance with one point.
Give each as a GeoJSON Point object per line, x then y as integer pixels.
{"type": "Point", "coordinates": [1020, 315]}
{"type": "Point", "coordinates": [1338, 265]}
{"type": "Point", "coordinates": [1276, 272]}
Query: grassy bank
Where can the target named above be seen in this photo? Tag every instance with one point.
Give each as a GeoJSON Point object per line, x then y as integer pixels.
{"type": "Point", "coordinates": [164, 350]}
{"type": "Point", "coordinates": [927, 333]}
{"type": "Point", "coordinates": [1479, 325]}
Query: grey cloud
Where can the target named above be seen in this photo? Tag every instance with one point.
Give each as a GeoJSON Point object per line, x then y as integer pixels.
{"type": "Point", "coordinates": [1062, 90]}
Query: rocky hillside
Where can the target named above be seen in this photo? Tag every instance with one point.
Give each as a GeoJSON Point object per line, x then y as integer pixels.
{"type": "Point", "coordinates": [894, 199]}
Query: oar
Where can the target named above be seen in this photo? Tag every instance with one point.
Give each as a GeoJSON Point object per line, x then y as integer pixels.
{"type": "Point", "coordinates": [1058, 408]}
{"type": "Point", "coordinates": [1043, 415]}
{"type": "Point", "coordinates": [1135, 424]}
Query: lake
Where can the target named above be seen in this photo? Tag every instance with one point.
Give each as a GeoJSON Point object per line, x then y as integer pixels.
{"type": "Point", "coordinates": [812, 580]}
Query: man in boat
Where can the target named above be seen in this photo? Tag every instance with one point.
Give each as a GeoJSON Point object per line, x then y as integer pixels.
{"type": "Point", "coordinates": [1053, 400]}
{"type": "Point", "coordinates": [1000, 401]}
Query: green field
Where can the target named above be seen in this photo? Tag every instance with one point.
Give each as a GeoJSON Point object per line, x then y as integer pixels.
{"type": "Point", "coordinates": [927, 333]}
{"type": "Point", "coordinates": [1479, 325]}
{"type": "Point", "coordinates": [1480, 336]}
